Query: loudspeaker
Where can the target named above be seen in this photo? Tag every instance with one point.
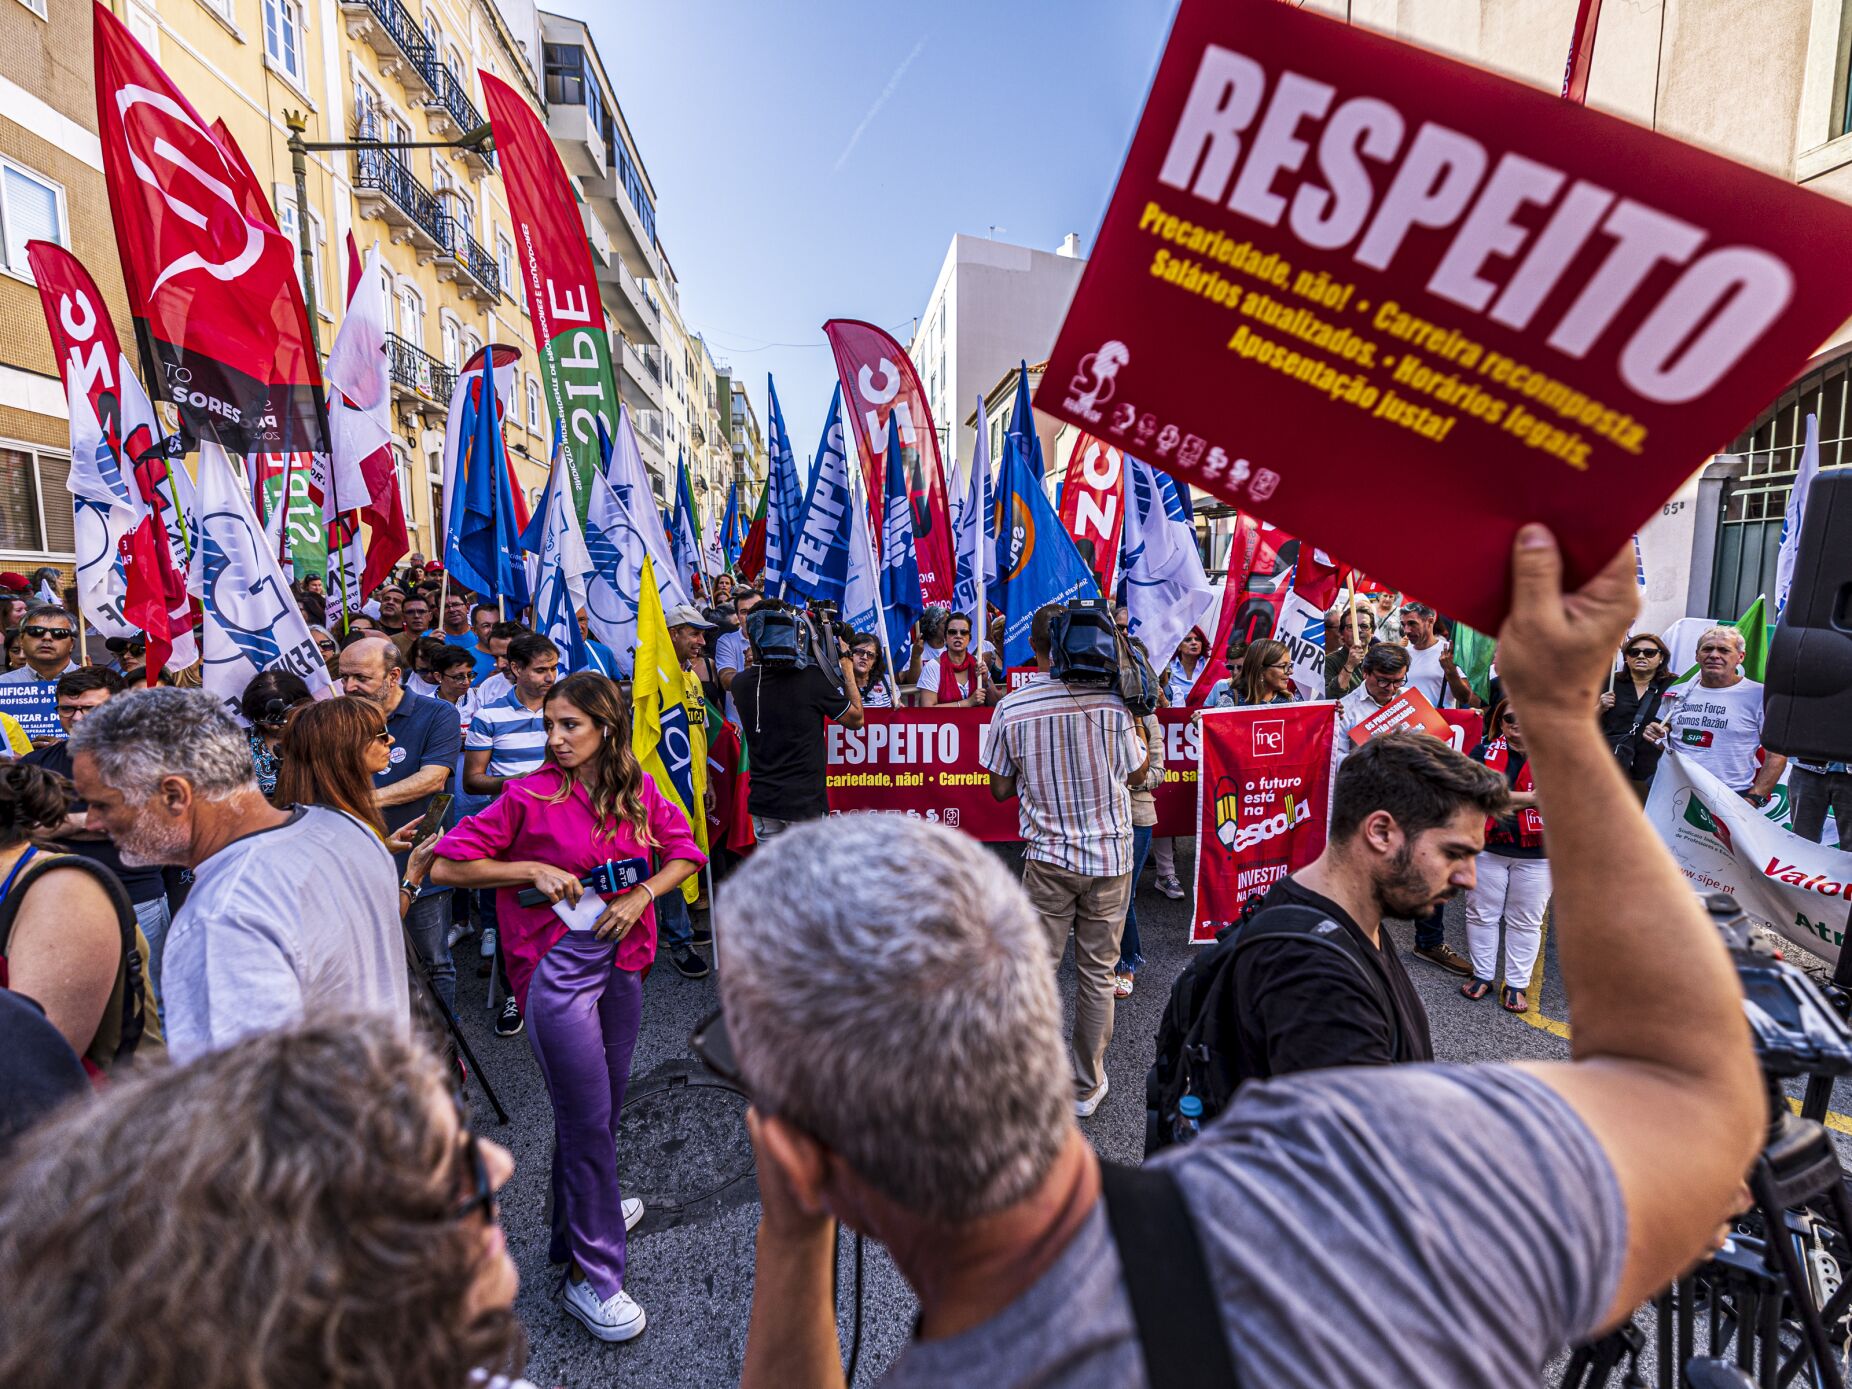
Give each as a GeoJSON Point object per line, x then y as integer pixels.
{"type": "Point", "coordinates": [1809, 685]}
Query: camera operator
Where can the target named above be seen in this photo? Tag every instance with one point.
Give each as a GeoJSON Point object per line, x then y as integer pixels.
{"type": "Point", "coordinates": [1067, 755]}
{"type": "Point", "coordinates": [785, 696]}
{"type": "Point", "coordinates": [1416, 1225]}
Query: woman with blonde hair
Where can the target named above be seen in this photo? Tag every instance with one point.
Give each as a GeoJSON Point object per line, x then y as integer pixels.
{"type": "Point", "coordinates": [308, 1208]}
{"type": "Point", "coordinates": [580, 985]}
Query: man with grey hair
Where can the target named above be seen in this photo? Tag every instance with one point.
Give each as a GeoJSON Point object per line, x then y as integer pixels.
{"type": "Point", "coordinates": [1417, 1224]}
{"type": "Point", "coordinates": [292, 912]}
{"type": "Point", "coordinates": [47, 644]}
{"type": "Point", "coordinates": [1717, 722]}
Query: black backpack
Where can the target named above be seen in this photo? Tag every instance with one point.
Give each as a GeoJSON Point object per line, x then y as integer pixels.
{"type": "Point", "coordinates": [1197, 1037]}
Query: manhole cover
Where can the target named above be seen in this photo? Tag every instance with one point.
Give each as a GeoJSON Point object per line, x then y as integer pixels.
{"type": "Point", "coordinates": [682, 1145]}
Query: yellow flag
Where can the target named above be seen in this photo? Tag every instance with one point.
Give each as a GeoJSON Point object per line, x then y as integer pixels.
{"type": "Point", "coordinates": [667, 732]}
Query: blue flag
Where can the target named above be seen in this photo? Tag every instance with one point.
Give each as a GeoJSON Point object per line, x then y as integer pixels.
{"type": "Point", "coordinates": [818, 565]}
{"type": "Point", "coordinates": [900, 568]}
{"type": "Point", "coordinates": [1037, 563]}
{"type": "Point", "coordinates": [1022, 425]}
{"type": "Point", "coordinates": [784, 508]}
{"type": "Point", "coordinates": [481, 545]}
{"type": "Point", "coordinates": [685, 530]}
{"type": "Point", "coordinates": [730, 534]}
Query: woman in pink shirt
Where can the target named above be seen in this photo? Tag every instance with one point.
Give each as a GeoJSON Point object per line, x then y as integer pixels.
{"type": "Point", "coordinates": [581, 991]}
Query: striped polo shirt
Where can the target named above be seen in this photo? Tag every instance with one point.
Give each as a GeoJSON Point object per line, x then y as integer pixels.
{"type": "Point", "coordinates": [514, 734]}
{"type": "Point", "coordinates": [1070, 751]}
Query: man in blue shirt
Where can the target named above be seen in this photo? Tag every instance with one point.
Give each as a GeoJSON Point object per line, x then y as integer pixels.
{"type": "Point", "coordinates": [426, 738]}
{"type": "Point", "coordinates": [507, 739]}
{"type": "Point", "coordinates": [468, 627]}
{"type": "Point", "coordinates": [604, 660]}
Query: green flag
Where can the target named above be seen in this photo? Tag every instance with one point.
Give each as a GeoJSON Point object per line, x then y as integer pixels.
{"type": "Point", "coordinates": [1472, 653]}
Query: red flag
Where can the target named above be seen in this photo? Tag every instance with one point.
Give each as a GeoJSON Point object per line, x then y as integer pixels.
{"type": "Point", "coordinates": [1318, 578]}
{"type": "Point", "coordinates": [727, 817]}
{"type": "Point", "coordinates": [211, 281]}
{"type": "Point", "coordinates": [1256, 547]}
{"type": "Point", "coordinates": [1093, 503]}
{"type": "Point", "coordinates": [150, 606]}
{"type": "Point", "coordinates": [1581, 52]}
{"type": "Point", "coordinates": [878, 380]}
{"type": "Point", "coordinates": [752, 549]}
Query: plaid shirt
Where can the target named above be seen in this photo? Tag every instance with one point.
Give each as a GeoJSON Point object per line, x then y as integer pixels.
{"type": "Point", "coordinates": [1070, 752]}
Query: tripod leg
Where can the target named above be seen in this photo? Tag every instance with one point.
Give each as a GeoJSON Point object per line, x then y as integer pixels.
{"type": "Point", "coordinates": [1788, 1263]}
{"type": "Point", "coordinates": [448, 1014]}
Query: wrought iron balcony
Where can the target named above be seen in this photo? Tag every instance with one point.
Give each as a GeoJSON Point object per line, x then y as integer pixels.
{"type": "Point", "coordinates": [387, 26]}
{"type": "Point", "coordinates": [385, 187]}
{"type": "Point", "coordinates": [452, 112]}
{"type": "Point", "coordinates": [419, 375]}
{"type": "Point", "coordinates": [460, 258]}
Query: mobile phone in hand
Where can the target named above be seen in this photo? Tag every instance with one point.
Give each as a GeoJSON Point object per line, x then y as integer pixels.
{"type": "Point", "coordinates": [433, 818]}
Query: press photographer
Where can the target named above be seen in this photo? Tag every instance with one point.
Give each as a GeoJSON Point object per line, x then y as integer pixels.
{"type": "Point", "coordinates": [1414, 1225]}
{"type": "Point", "coordinates": [1066, 746]}
{"type": "Point", "coordinates": [798, 678]}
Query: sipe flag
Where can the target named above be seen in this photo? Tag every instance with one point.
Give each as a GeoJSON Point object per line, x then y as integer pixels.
{"type": "Point", "coordinates": [1482, 304]}
{"type": "Point", "coordinates": [879, 384]}
{"type": "Point", "coordinates": [562, 288]}
{"type": "Point", "coordinates": [211, 281]}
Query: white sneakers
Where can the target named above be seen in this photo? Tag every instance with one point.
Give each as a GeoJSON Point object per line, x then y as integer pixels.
{"type": "Point", "coordinates": [633, 1212]}
{"type": "Point", "coordinates": [617, 1318]}
{"type": "Point", "coordinates": [1085, 1105]}
{"type": "Point", "coordinates": [487, 948]}
{"type": "Point", "coordinates": [1170, 887]}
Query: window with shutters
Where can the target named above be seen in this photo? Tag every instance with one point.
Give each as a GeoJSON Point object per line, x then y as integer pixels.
{"type": "Point", "coordinates": [31, 209]}
{"type": "Point", "coordinates": [35, 503]}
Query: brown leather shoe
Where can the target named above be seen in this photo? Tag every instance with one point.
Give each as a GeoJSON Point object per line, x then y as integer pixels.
{"type": "Point", "coordinates": [1447, 958]}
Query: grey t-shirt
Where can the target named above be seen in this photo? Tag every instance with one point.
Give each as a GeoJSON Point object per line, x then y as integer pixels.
{"type": "Point", "coordinates": [284, 924]}
{"type": "Point", "coordinates": [1432, 1225]}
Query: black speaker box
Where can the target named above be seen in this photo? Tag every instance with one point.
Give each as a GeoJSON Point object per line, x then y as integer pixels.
{"type": "Point", "coordinates": [1809, 694]}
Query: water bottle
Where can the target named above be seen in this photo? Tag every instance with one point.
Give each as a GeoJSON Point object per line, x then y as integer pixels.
{"type": "Point", "coordinates": [1189, 1119]}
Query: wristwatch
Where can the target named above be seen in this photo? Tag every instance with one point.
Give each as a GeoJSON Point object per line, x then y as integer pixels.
{"type": "Point", "coordinates": [410, 888]}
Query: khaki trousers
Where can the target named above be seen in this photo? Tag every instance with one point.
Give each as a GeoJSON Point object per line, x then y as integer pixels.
{"type": "Point", "coordinates": [1093, 909]}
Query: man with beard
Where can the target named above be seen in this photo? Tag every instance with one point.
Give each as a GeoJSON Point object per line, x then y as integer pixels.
{"type": "Point", "coordinates": [292, 914]}
{"type": "Point", "coordinates": [1408, 818]}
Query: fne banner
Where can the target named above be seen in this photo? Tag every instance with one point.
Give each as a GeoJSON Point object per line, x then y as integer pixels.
{"type": "Point", "coordinates": [924, 763]}
{"type": "Point", "coordinates": [1338, 265]}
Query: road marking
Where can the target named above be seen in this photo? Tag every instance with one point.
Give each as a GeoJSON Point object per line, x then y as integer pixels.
{"type": "Point", "coordinates": [1837, 1122]}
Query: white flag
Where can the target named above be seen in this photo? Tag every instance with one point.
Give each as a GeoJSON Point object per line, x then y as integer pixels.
{"type": "Point", "coordinates": [1797, 507]}
{"type": "Point", "coordinates": [971, 526]}
{"type": "Point", "coordinates": [616, 551]}
{"type": "Point", "coordinates": [250, 621]}
{"type": "Point", "coordinates": [629, 479]}
{"type": "Point", "coordinates": [1166, 590]}
{"type": "Point", "coordinates": [563, 567]}
{"type": "Point", "coordinates": [1302, 628]}
{"type": "Point", "coordinates": [106, 510]}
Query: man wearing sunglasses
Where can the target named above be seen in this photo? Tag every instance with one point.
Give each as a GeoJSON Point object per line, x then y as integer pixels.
{"type": "Point", "coordinates": [1422, 1224]}
{"type": "Point", "coordinates": [48, 644]}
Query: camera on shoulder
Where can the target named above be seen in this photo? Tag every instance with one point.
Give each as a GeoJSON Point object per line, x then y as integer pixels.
{"type": "Point", "coordinates": [1088, 651]}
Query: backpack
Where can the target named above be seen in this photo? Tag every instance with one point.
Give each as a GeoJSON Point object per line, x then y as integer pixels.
{"type": "Point", "coordinates": [128, 1015]}
{"type": "Point", "coordinates": [1197, 1039]}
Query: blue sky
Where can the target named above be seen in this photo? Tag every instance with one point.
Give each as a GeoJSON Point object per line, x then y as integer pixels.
{"type": "Point", "coordinates": [813, 160]}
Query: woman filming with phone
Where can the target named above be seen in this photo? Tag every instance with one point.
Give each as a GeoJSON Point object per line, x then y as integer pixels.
{"type": "Point", "coordinates": [576, 966]}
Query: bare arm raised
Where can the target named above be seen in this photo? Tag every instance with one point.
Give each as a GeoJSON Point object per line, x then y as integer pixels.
{"type": "Point", "coordinates": [1664, 1077]}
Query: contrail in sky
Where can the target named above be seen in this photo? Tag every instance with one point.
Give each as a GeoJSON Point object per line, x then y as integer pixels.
{"type": "Point", "coordinates": [880, 101]}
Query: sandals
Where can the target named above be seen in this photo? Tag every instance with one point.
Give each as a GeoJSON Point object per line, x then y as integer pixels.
{"type": "Point", "coordinates": [1122, 986]}
{"type": "Point", "coordinates": [1513, 1000]}
{"type": "Point", "coordinates": [1476, 989]}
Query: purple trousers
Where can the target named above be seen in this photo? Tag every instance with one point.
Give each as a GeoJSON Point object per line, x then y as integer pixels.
{"type": "Point", "coordinates": [582, 1018]}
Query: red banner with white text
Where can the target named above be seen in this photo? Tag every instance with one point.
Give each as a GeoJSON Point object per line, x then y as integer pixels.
{"type": "Point", "coordinates": [1266, 795]}
{"type": "Point", "coordinates": [878, 380]}
{"type": "Point", "coordinates": [1093, 504]}
{"type": "Point", "coordinates": [924, 763]}
{"type": "Point", "coordinates": [212, 282]}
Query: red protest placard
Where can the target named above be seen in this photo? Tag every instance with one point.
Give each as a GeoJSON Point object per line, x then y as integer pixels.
{"type": "Point", "coordinates": [1410, 709]}
{"type": "Point", "coordinates": [1401, 305]}
{"type": "Point", "coordinates": [1266, 790]}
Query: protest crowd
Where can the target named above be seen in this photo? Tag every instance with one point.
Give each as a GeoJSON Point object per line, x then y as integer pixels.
{"type": "Point", "coordinates": [876, 754]}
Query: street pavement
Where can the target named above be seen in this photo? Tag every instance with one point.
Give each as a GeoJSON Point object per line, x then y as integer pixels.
{"type": "Point", "coordinates": [682, 1147]}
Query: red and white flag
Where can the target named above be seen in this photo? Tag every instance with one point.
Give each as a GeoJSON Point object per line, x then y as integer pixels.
{"type": "Point", "coordinates": [1093, 504]}
{"type": "Point", "coordinates": [364, 479]}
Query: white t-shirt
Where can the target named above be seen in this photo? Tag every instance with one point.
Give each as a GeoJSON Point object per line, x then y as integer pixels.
{"type": "Point", "coordinates": [301, 921]}
{"type": "Point", "coordinates": [1720, 729]}
{"type": "Point", "coordinates": [1425, 674]}
{"type": "Point", "coordinates": [730, 654]}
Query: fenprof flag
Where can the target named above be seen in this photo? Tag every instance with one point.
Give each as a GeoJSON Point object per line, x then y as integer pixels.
{"type": "Point", "coordinates": [1339, 267]}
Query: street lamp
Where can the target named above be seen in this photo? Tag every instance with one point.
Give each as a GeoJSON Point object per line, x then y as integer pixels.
{"type": "Point", "coordinates": [481, 138]}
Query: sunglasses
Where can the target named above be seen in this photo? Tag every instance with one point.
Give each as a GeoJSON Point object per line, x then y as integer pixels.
{"type": "Point", "coordinates": [1642, 652]}
{"type": "Point", "coordinates": [382, 737]}
{"type": "Point", "coordinates": [61, 633]}
{"type": "Point", "coordinates": [482, 1194]}
{"type": "Point", "coordinates": [712, 1045]}
{"type": "Point", "coordinates": [327, 646]}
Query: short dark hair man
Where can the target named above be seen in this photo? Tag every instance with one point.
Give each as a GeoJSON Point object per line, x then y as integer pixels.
{"type": "Point", "coordinates": [782, 718]}
{"type": "Point", "coordinates": [80, 692]}
{"type": "Point", "coordinates": [1068, 756]}
{"type": "Point", "coordinates": [417, 618]}
{"type": "Point", "coordinates": [426, 740]}
{"type": "Point", "coordinates": [1450, 1224]}
{"type": "Point", "coordinates": [48, 644]}
{"type": "Point", "coordinates": [1407, 822]}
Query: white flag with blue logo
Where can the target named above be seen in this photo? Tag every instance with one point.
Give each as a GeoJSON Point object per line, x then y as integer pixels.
{"type": "Point", "coordinates": [250, 622]}
{"type": "Point", "coordinates": [972, 524]}
{"type": "Point", "coordinates": [563, 568]}
{"type": "Point", "coordinates": [616, 550]}
{"type": "Point", "coordinates": [1792, 517]}
{"type": "Point", "coordinates": [1166, 590]}
{"type": "Point", "coordinates": [629, 479]}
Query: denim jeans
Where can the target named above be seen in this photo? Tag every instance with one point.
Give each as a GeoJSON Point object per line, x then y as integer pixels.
{"type": "Point", "coordinates": [429, 924]}
{"type": "Point", "coordinates": [672, 924]}
{"type": "Point", "coordinates": [1815, 793]}
{"type": "Point", "coordinates": [1131, 957]}
{"type": "Point", "coordinates": [1431, 931]}
{"type": "Point", "coordinates": [154, 918]}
